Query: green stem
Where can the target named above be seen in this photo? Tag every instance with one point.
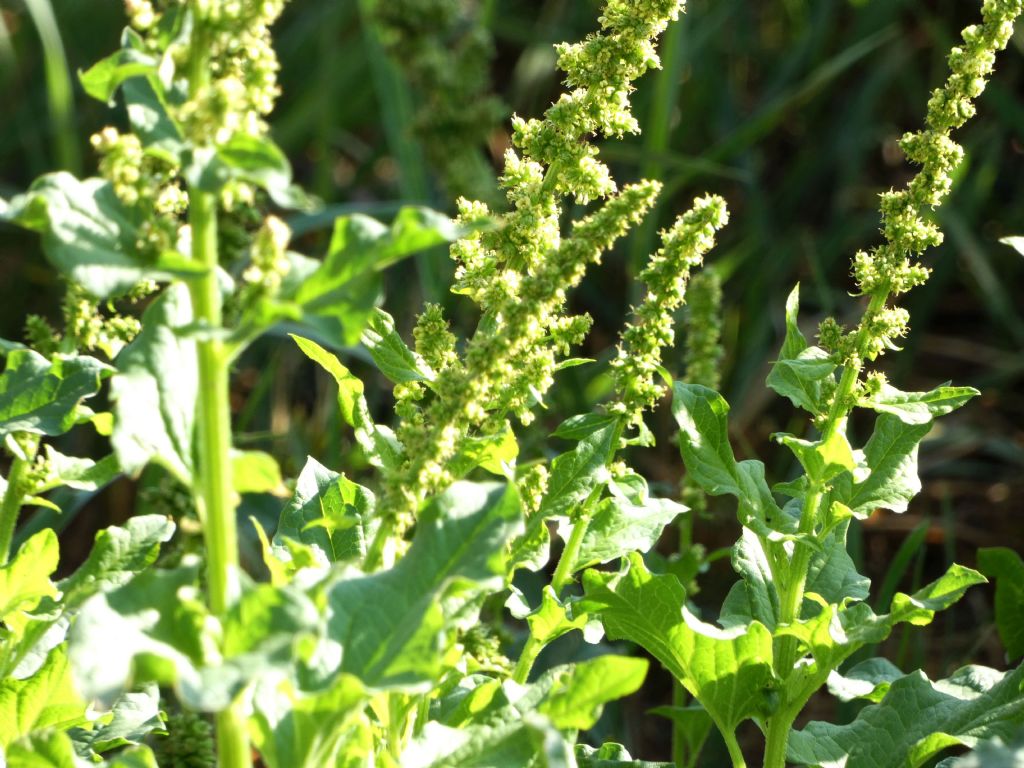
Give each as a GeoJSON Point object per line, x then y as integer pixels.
{"type": "Point", "coordinates": [778, 739]}
{"type": "Point", "coordinates": [795, 580]}
{"type": "Point", "coordinates": [735, 753]}
{"type": "Point", "coordinates": [215, 492]}
{"type": "Point", "coordinates": [10, 507]}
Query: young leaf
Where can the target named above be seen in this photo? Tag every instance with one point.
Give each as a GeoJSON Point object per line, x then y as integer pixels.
{"type": "Point", "coordinates": [868, 680]}
{"type": "Point", "coordinates": [330, 512]}
{"type": "Point", "coordinates": [832, 573]}
{"type": "Point", "coordinates": [577, 700]}
{"type": "Point", "coordinates": [795, 343]}
{"type": "Point", "coordinates": [918, 407]}
{"type": "Point", "coordinates": [619, 527]}
{"type": "Point", "coordinates": [296, 731]}
{"type": "Point", "coordinates": [45, 699]}
{"type": "Point", "coordinates": [1007, 568]}
{"type": "Point", "coordinates": [116, 556]}
{"type": "Point", "coordinates": [891, 455]}
{"type": "Point", "coordinates": [800, 378]}
{"type": "Point", "coordinates": [391, 355]}
{"type": "Point", "coordinates": [25, 580]}
{"type": "Point", "coordinates": [575, 474]}
{"type": "Point", "coordinates": [729, 672]}
{"type": "Point", "coordinates": [133, 717]}
{"type": "Point", "coordinates": [102, 79]}
{"type": "Point", "coordinates": [78, 473]}
{"type": "Point", "coordinates": [379, 443]}
{"type": "Point", "coordinates": [255, 472]}
{"type": "Point", "coordinates": [702, 415]}
{"type": "Point", "coordinates": [155, 390]}
{"type": "Point", "coordinates": [550, 621]}
{"type": "Point", "coordinates": [495, 453]}
{"type": "Point", "coordinates": [754, 597]}
{"type": "Point", "coordinates": [389, 623]}
{"type": "Point", "coordinates": [43, 396]}
{"type": "Point", "coordinates": [916, 720]}
{"type": "Point", "coordinates": [90, 235]}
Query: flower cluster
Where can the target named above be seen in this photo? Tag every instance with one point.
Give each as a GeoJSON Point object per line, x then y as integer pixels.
{"type": "Point", "coordinates": [445, 53]}
{"type": "Point", "coordinates": [890, 268]}
{"type": "Point", "coordinates": [703, 324]}
{"type": "Point", "coordinates": [520, 273]}
{"type": "Point", "coordinates": [240, 89]}
{"type": "Point", "coordinates": [635, 367]}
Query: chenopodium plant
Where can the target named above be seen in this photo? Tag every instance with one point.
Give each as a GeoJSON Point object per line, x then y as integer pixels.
{"type": "Point", "coordinates": [365, 647]}
{"type": "Point", "coordinates": [799, 611]}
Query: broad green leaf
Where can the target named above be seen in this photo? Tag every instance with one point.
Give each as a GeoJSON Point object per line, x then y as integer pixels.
{"type": "Point", "coordinates": [800, 378]}
{"type": "Point", "coordinates": [391, 355]}
{"type": "Point", "coordinates": [891, 455]}
{"type": "Point", "coordinates": [155, 390]}
{"type": "Point", "coordinates": [116, 556]}
{"type": "Point", "coordinates": [1007, 568]}
{"type": "Point", "coordinates": [868, 680]}
{"type": "Point", "coordinates": [728, 671]}
{"type": "Point", "coordinates": [150, 120]}
{"type": "Point", "coordinates": [102, 79]}
{"type": "Point", "coordinates": [43, 749]}
{"type": "Point", "coordinates": [330, 512]}
{"type": "Point", "coordinates": [916, 720]}
{"type": "Point", "coordinates": [832, 572]}
{"type": "Point", "coordinates": [378, 442]}
{"type": "Point", "coordinates": [255, 472]}
{"type": "Point", "coordinates": [389, 623]}
{"type": "Point", "coordinates": [152, 628]}
{"type": "Point", "coordinates": [754, 597]}
{"type": "Point", "coordinates": [991, 754]}
{"type": "Point", "coordinates": [344, 289]}
{"type": "Point", "coordinates": [579, 427]}
{"type": "Point", "coordinates": [47, 698]}
{"type": "Point", "coordinates": [612, 756]}
{"type": "Point", "coordinates": [43, 396]}
{"type": "Point", "coordinates": [577, 700]}
{"type": "Point", "coordinates": [918, 407]}
{"type": "Point", "coordinates": [579, 472]}
{"type": "Point", "coordinates": [619, 527]}
{"type": "Point", "coordinates": [702, 415]}
{"type": "Point", "coordinates": [527, 743]}
{"type": "Point", "coordinates": [245, 157]}
{"type": "Point", "coordinates": [291, 730]}
{"type": "Point", "coordinates": [25, 580]}
{"type": "Point", "coordinates": [133, 717]}
{"type": "Point", "coordinates": [90, 235]}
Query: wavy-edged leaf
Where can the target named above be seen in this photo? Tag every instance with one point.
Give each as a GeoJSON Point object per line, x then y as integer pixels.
{"type": "Point", "coordinates": [917, 720]}
{"type": "Point", "coordinates": [378, 442]}
{"type": "Point", "coordinates": [801, 377]}
{"type": "Point", "coordinates": [25, 580]}
{"type": "Point", "coordinates": [1007, 568]}
{"type": "Point", "coordinates": [90, 235]}
{"type": "Point", "coordinates": [702, 415]}
{"type": "Point", "coordinates": [390, 353]}
{"type": "Point", "coordinates": [330, 512]}
{"type": "Point", "coordinates": [728, 671]}
{"type": "Point", "coordinates": [47, 698]}
{"type": "Point", "coordinates": [155, 390]}
{"type": "Point", "coordinates": [918, 407]}
{"type": "Point", "coordinates": [389, 623]}
{"type": "Point", "coordinates": [619, 527]}
{"type": "Point", "coordinates": [43, 396]}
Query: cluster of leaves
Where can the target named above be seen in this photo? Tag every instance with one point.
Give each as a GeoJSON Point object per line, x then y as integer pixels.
{"type": "Point", "coordinates": [375, 640]}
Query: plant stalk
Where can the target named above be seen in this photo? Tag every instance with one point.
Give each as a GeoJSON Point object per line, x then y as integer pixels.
{"type": "Point", "coordinates": [214, 487]}
{"type": "Point", "coordinates": [795, 580]}
{"type": "Point", "coordinates": [10, 507]}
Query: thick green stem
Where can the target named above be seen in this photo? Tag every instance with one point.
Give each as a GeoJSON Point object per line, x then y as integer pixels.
{"type": "Point", "coordinates": [214, 490]}
{"type": "Point", "coordinates": [777, 740]}
{"type": "Point", "coordinates": [735, 753]}
{"type": "Point", "coordinates": [10, 507]}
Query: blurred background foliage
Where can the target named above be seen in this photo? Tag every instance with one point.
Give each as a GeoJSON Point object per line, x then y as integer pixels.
{"type": "Point", "coordinates": [791, 109]}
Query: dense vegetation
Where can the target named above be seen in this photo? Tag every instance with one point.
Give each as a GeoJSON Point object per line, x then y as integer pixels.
{"type": "Point", "coordinates": [381, 465]}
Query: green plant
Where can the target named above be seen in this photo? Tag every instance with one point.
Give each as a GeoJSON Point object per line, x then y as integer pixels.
{"type": "Point", "coordinates": [377, 637]}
